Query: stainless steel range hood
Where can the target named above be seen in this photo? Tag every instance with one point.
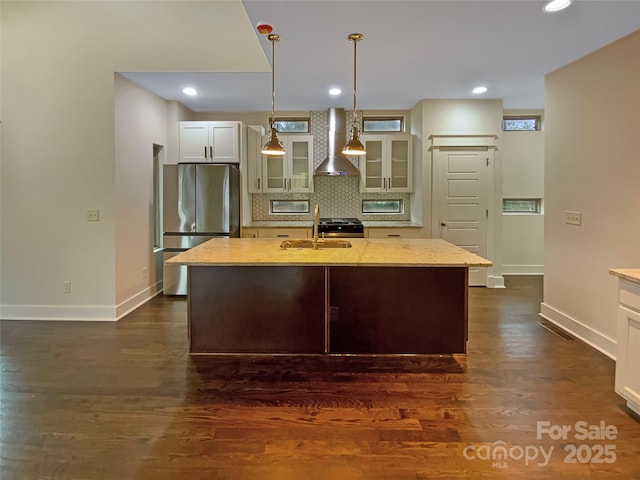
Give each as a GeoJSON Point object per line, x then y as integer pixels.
{"type": "Point", "coordinates": [335, 163]}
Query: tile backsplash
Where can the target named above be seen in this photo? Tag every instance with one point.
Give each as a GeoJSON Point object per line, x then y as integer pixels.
{"type": "Point", "coordinates": [336, 196]}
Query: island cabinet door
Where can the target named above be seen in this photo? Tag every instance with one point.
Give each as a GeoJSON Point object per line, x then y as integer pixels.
{"type": "Point", "coordinates": [398, 309]}
{"type": "Point", "coordinates": [256, 309]}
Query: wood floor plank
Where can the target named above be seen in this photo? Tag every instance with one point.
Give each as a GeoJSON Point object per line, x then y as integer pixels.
{"type": "Point", "coordinates": [125, 401]}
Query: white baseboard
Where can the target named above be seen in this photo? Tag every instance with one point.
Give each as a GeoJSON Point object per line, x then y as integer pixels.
{"type": "Point", "coordinates": [84, 313]}
{"type": "Point", "coordinates": [495, 281]}
{"type": "Point", "coordinates": [65, 313]}
{"type": "Point", "coordinates": [523, 269]}
{"type": "Point", "coordinates": [588, 335]}
{"type": "Point", "coordinates": [135, 301]}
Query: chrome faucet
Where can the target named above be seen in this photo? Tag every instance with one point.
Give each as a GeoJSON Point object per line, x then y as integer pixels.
{"type": "Point", "coordinates": [316, 222]}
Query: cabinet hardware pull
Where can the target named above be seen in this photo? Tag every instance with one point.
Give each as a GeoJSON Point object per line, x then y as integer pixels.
{"type": "Point", "coordinates": [284, 235]}
{"type": "Point", "coordinates": [289, 184]}
{"type": "Point", "coordinates": [393, 235]}
{"type": "Point", "coordinates": [258, 184]}
{"type": "Point", "coordinates": [205, 152]}
{"type": "Point", "coordinates": [211, 153]}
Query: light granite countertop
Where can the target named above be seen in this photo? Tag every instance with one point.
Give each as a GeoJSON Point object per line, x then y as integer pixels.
{"type": "Point", "coordinates": [631, 274]}
{"type": "Point", "coordinates": [364, 252]}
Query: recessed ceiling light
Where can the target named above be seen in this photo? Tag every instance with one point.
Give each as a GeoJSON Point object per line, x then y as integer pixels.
{"type": "Point", "coordinates": [189, 91]}
{"type": "Point", "coordinates": [556, 5]}
{"type": "Point", "coordinates": [479, 90]}
{"type": "Point", "coordinates": [335, 91]}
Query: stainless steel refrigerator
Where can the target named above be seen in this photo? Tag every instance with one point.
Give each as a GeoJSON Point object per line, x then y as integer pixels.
{"type": "Point", "coordinates": [201, 201]}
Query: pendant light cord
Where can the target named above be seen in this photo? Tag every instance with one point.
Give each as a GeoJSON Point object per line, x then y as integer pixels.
{"type": "Point", "coordinates": [273, 80]}
{"type": "Point", "coordinates": [355, 43]}
{"type": "Point", "coordinates": [355, 38]}
{"type": "Point", "coordinates": [273, 38]}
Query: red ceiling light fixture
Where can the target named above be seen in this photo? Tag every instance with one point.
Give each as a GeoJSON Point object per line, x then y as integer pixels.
{"type": "Point", "coordinates": [264, 28]}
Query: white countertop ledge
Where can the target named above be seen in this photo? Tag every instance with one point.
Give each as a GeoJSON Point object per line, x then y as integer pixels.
{"type": "Point", "coordinates": [410, 252]}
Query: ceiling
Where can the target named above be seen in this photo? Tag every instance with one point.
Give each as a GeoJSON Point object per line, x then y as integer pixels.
{"type": "Point", "coordinates": [411, 50]}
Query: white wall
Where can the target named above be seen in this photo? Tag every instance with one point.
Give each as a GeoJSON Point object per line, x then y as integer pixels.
{"type": "Point", "coordinates": [592, 140]}
{"type": "Point", "coordinates": [58, 149]}
{"type": "Point", "coordinates": [140, 122]}
{"type": "Point", "coordinates": [523, 177]}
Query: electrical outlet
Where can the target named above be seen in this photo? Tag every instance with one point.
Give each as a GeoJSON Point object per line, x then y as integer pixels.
{"type": "Point", "coordinates": [93, 215]}
{"type": "Point", "coordinates": [573, 218]}
{"type": "Point", "coordinates": [66, 286]}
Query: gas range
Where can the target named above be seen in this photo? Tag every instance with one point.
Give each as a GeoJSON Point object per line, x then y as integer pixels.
{"type": "Point", "coordinates": [340, 227]}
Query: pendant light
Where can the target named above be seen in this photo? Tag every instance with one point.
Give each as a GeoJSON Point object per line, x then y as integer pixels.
{"type": "Point", "coordinates": [274, 145]}
{"type": "Point", "coordinates": [354, 146]}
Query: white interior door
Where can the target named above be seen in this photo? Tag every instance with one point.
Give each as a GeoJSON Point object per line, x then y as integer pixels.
{"type": "Point", "coordinates": [462, 202]}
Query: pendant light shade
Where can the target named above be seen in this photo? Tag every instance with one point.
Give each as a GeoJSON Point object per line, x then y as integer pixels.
{"type": "Point", "coordinates": [354, 146]}
{"type": "Point", "coordinates": [274, 145]}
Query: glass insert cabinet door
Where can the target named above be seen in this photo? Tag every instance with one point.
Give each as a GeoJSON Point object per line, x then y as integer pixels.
{"type": "Point", "coordinates": [274, 168]}
{"type": "Point", "coordinates": [372, 169]}
{"type": "Point", "coordinates": [399, 175]}
{"type": "Point", "coordinates": [300, 162]}
{"type": "Point", "coordinates": [388, 163]}
{"type": "Point", "coordinates": [292, 172]}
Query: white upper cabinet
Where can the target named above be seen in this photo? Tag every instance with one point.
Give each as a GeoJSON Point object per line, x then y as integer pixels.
{"type": "Point", "coordinates": [217, 142]}
{"type": "Point", "coordinates": [254, 158]}
{"type": "Point", "coordinates": [388, 163]}
{"type": "Point", "coordinates": [292, 172]}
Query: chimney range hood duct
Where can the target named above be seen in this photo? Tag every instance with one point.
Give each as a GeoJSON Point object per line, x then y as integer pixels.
{"type": "Point", "coordinates": [335, 163]}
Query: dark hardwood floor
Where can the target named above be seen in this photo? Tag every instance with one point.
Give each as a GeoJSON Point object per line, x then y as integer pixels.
{"type": "Point", "coordinates": [125, 401]}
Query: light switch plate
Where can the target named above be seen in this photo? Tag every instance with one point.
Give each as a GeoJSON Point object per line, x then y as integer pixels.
{"type": "Point", "coordinates": [573, 218]}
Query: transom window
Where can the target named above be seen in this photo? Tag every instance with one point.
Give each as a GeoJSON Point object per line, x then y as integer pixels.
{"type": "Point", "coordinates": [382, 206]}
{"type": "Point", "coordinates": [292, 125]}
{"type": "Point", "coordinates": [383, 124]}
{"type": "Point", "coordinates": [521, 123]}
{"type": "Point", "coordinates": [522, 205]}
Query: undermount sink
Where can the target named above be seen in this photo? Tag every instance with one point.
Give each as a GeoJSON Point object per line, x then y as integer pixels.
{"type": "Point", "coordinates": [321, 243]}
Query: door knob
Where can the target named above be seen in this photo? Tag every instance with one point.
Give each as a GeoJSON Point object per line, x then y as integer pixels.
{"type": "Point", "coordinates": [444, 224]}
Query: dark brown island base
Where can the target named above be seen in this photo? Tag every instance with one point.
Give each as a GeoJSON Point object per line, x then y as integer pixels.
{"type": "Point", "coordinates": [379, 296]}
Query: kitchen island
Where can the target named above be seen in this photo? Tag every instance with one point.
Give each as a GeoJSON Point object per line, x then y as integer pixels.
{"type": "Point", "coordinates": [379, 296]}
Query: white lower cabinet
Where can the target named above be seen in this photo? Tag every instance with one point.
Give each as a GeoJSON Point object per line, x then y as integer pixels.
{"type": "Point", "coordinates": [291, 232]}
{"type": "Point", "coordinates": [628, 355]}
{"type": "Point", "coordinates": [393, 232]}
